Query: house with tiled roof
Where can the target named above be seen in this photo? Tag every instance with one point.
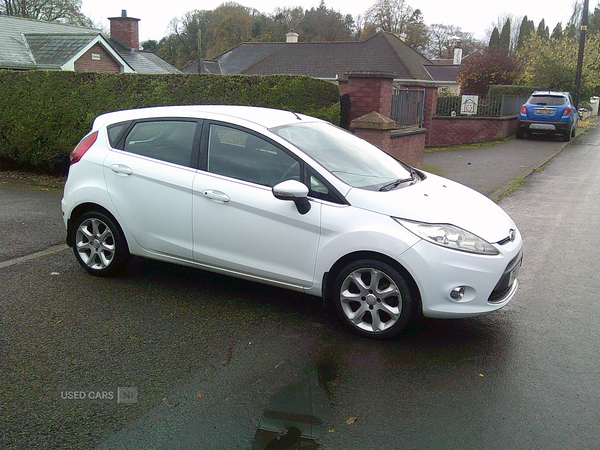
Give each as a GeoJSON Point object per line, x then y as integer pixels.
{"type": "Point", "coordinates": [384, 52]}
{"type": "Point", "coordinates": [27, 44]}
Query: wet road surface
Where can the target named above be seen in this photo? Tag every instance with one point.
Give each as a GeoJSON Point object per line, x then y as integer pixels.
{"type": "Point", "coordinates": [213, 363]}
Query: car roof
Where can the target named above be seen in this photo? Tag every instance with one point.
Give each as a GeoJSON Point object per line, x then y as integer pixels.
{"type": "Point", "coordinates": [263, 117]}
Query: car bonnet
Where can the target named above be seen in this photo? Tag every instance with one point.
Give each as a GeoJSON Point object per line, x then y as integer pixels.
{"type": "Point", "coordinates": [442, 201]}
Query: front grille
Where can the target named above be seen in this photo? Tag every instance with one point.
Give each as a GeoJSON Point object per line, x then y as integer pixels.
{"type": "Point", "coordinates": [507, 280]}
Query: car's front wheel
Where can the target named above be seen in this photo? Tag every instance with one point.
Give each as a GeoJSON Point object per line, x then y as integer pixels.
{"type": "Point", "coordinates": [99, 244]}
{"type": "Point", "coordinates": [373, 299]}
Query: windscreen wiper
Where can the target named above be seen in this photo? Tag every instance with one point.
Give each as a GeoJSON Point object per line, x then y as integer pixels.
{"type": "Point", "coordinates": [395, 184]}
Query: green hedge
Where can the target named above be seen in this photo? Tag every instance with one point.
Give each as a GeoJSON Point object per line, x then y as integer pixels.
{"type": "Point", "coordinates": [44, 114]}
{"type": "Point", "coordinates": [500, 90]}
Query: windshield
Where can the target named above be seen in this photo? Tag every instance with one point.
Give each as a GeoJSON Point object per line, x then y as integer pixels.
{"type": "Point", "coordinates": [349, 158]}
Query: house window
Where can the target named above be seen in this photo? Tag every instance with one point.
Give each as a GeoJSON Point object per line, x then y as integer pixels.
{"type": "Point", "coordinates": [96, 57]}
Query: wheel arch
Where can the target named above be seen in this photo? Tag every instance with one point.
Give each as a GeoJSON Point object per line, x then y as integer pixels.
{"type": "Point", "coordinates": [330, 276]}
{"type": "Point", "coordinates": [83, 208]}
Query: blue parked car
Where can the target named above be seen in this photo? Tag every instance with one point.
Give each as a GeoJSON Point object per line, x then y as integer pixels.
{"type": "Point", "coordinates": [548, 112]}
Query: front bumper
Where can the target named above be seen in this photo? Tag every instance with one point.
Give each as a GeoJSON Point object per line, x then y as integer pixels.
{"type": "Point", "coordinates": [488, 282]}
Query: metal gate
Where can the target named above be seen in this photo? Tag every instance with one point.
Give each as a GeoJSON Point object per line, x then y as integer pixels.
{"type": "Point", "coordinates": [407, 106]}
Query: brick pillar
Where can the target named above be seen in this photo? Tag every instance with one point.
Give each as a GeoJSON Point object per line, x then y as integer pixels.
{"type": "Point", "coordinates": [429, 111]}
{"type": "Point", "coordinates": [375, 128]}
{"type": "Point", "coordinates": [369, 91]}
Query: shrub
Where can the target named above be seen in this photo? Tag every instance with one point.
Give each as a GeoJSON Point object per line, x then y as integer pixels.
{"type": "Point", "coordinates": [44, 114]}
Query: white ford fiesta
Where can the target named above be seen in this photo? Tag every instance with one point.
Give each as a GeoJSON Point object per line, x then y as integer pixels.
{"type": "Point", "coordinates": [292, 201]}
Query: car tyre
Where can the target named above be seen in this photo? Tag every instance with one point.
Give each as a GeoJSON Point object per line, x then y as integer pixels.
{"type": "Point", "coordinates": [99, 244]}
{"type": "Point", "coordinates": [520, 134]}
{"type": "Point", "coordinates": [567, 135]}
{"type": "Point", "coordinates": [372, 299]}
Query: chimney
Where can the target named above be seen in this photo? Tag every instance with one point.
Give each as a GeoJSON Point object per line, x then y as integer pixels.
{"type": "Point", "coordinates": [125, 29]}
{"type": "Point", "coordinates": [291, 37]}
{"type": "Point", "coordinates": [457, 56]}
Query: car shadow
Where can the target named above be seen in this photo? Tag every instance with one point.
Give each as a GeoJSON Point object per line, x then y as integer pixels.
{"type": "Point", "coordinates": [420, 334]}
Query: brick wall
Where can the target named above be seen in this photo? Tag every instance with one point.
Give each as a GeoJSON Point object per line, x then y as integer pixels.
{"type": "Point", "coordinates": [106, 63]}
{"type": "Point", "coordinates": [408, 146]}
{"type": "Point", "coordinates": [378, 138]}
{"type": "Point", "coordinates": [458, 130]}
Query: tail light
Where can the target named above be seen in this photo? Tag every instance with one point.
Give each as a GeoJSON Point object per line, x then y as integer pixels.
{"type": "Point", "coordinates": [524, 109]}
{"type": "Point", "coordinates": [83, 146]}
{"type": "Point", "coordinates": [567, 111]}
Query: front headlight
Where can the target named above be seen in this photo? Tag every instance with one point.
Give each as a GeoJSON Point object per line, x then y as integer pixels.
{"type": "Point", "coordinates": [449, 236]}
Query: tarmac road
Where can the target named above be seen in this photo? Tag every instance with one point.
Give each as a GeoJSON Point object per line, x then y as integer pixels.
{"type": "Point", "coordinates": [219, 363]}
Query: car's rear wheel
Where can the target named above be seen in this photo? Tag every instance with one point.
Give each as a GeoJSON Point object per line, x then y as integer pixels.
{"type": "Point", "coordinates": [373, 299]}
{"type": "Point", "coordinates": [99, 244]}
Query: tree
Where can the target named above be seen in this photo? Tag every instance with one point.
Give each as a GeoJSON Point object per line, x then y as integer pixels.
{"type": "Point", "coordinates": [594, 21]}
{"type": "Point", "coordinates": [543, 31]}
{"type": "Point", "coordinates": [551, 64]}
{"type": "Point", "coordinates": [230, 24]}
{"type": "Point", "coordinates": [504, 40]}
{"type": "Point", "coordinates": [417, 33]}
{"type": "Point", "coordinates": [389, 15]}
{"type": "Point", "coordinates": [557, 32]}
{"type": "Point", "coordinates": [396, 16]}
{"type": "Point", "coordinates": [443, 39]}
{"type": "Point", "coordinates": [525, 30]}
{"type": "Point", "coordinates": [494, 43]}
{"type": "Point", "coordinates": [282, 21]}
{"type": "Point", "coordinates": [486, 69]}
{"type": "Point", "coordinates": [64, 11]}
{"type": "Point", "coordinates": [325, 25]}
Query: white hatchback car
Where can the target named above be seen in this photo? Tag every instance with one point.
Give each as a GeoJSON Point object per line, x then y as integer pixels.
{"type": "Point", "coordinates": [292, 201]}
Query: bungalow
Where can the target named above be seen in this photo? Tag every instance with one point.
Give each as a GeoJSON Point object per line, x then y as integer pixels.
{"type": "Point", "coordinates": [383, 53]}
{"type": "Point", "coordinates": [27, 44]}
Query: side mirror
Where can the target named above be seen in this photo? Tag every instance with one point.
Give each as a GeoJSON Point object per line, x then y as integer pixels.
{"type": "Point", "coordinates": [292, 190]}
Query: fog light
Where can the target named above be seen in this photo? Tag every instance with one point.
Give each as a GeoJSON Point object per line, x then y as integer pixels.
{"type": "Point", "coordinates": [457, 293]}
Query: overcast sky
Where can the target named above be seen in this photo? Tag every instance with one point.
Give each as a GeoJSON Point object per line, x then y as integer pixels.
{"type": "Point", "coordinates": [475, 16]}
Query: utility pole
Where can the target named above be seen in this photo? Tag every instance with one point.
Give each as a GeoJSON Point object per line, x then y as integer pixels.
{"type": "Point", "coordinates": [199, 59]}
{"type": "Point", "coordinates": [584, 24]}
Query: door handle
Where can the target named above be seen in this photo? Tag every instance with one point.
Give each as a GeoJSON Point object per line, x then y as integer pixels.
{"type": "Point", "coordinates": [121, 169]}
{"type": "Point", "coordinates": [216, 195]}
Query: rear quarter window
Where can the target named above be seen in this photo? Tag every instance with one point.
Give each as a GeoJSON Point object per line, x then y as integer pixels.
{"type": "Point", "coordinates": [115, 132]}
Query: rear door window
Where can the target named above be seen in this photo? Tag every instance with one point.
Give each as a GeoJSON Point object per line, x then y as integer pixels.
{"type": "Point", "coordinates": [171, 141]}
